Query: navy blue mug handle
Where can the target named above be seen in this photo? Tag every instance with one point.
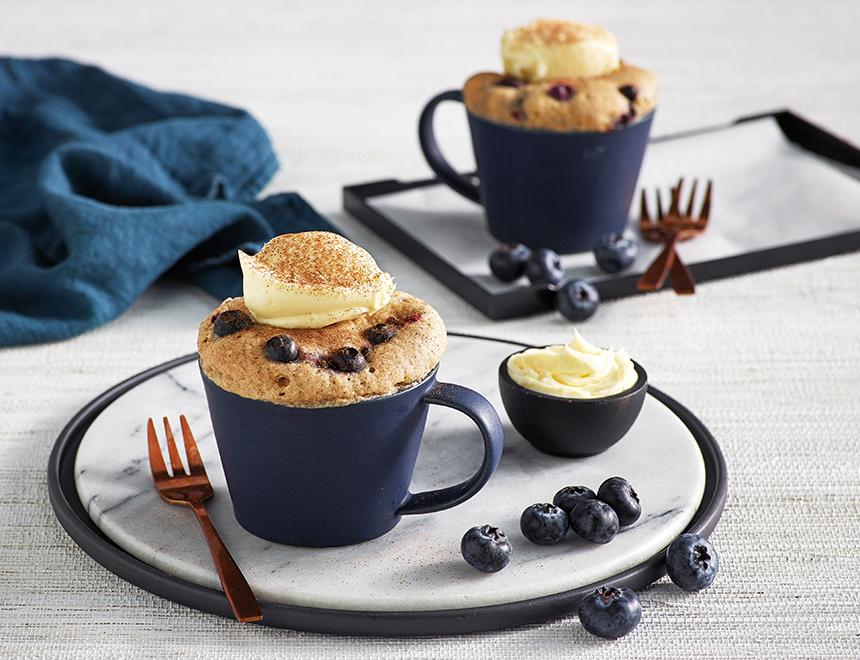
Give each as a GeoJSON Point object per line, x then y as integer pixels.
{"type": "Point", "coordinates": [433, 154]}
{"type": "Point", "coordinates": [487, 419]}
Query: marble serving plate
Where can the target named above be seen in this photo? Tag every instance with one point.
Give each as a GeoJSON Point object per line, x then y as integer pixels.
{"type": "Point", "coordinates": [412, 580]}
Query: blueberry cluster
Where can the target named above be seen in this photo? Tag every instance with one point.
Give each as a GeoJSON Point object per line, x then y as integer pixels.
{"type": "Point", "coordinates": [610, 612]}
{"type": "Point", "coordinates": [283, 348]}
{"type": "Point", "coordinates": [280, 348]}
{"type": "Point", "coordinates": [595, 517]}
{"type": "Point", "coordinates": [576, 299]}
{"type": "Point", "coordinates": [351, 360]}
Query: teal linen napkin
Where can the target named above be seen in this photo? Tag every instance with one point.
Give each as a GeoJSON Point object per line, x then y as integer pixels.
{"type": "Point", "coordinates": [105, 185]}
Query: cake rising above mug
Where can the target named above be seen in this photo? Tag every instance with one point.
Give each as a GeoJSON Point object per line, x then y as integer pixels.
{"type": "Point", "coordinates": [318, 382]}
{"type": "Point", "coordinates": [559, 137]}
{"type": "Point", "coordinates": [562, 76]}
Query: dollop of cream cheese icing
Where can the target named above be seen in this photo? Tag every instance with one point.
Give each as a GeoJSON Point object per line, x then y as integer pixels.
{"type": "Point", "coordinates": [548, 49]}
{"type": "Point", "coordinates": [311, 280]}
{"type": "Point", "coordinates": [576, 370]}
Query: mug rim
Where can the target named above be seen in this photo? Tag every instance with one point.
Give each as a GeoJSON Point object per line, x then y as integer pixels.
{"type": "Point", "coordinates": [430, 375]}
{"type": "Point", "coordinates": [641, 381]}
{"type": "Point", "coordinates": [544, 131]}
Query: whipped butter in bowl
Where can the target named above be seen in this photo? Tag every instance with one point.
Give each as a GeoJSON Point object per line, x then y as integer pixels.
{"type": "Point", "coordinates": [576, 370]}
{"type": "Point", "coordinates": [573, 399]}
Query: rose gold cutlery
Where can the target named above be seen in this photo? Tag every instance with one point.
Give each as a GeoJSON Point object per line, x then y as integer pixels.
{"type": "Point", "coordinates": [671, 227]}
{"type": "Point", "coordinates": [191, 488]}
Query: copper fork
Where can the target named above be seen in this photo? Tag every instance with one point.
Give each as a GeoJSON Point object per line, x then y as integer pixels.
{"type": "Point", "coordinates": [670, 228]}
{"type": "Point", "coordinates": [191, 488]}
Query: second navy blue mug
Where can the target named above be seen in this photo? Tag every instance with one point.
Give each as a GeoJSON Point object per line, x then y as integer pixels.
{"type": "Point", "coordinates": [338, 475]}
{"type": "Point", "coordinates": [545, 189]}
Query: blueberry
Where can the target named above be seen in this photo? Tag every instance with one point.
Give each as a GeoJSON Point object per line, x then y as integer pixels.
{"type": "Point", "coordinates": [544, 524]}
{"type": "Point", "coordinates": [618, 494]}
{"type": "Point", "coordinates": [226, 323]}
{"type": "Point", "coordinates": [568, 496]}
{"type": "Point", "coordinates": [486, 548]}
{"type": "Point", "coordinates": [381, 333]}
{"type": "Point", "coordinates": [615, 252]}
{"type": "Point", "coordinates": [508, 263]}
{"type": "Point", "coordinates": [610, 612]}
{"type": "Point", "coordinates": [630, 92]}
{"type": "Point", "coordinates": [561, 92]}
{"type": "Point", "coordinates": [577, 300]}
{"type": "Point", "coordinates": [544, 268]}
{"type": "Point", "coordinates": [624, 119]}
{"type": "Point", "coordinates": [510, 81]}
{"type": "Point", "coordinates": [692, 562]}
{"type": "Point", "coordinates": [281, 348]}
{"type": "Point", "coordinates": [347, 359]}
{"type": "Point", "coordinates": [594, 521]}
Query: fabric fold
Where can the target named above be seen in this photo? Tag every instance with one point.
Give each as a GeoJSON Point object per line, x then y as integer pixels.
{"type": "Point", "coordinates": [105, 185]}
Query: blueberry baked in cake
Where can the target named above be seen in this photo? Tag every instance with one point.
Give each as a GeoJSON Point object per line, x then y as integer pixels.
{"type": "Point", "coordinates": [319, 325]}
{"type": "Point", "coordinates": [562, 76]}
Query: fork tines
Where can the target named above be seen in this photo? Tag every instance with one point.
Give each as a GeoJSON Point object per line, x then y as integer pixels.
{"type": "Point", "coordinates": [156, 459]}
{"type": "Point", "coordinates": [675, 205]}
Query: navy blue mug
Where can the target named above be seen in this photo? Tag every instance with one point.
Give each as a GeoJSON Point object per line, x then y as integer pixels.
{"type": "Point", "coordinates": [545, 189]}
{"type": "Point", "coordinates": [338, 475]}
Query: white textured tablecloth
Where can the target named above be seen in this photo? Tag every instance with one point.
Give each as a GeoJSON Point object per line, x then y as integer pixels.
{"type": "Point", "coordinates": [770, 362]}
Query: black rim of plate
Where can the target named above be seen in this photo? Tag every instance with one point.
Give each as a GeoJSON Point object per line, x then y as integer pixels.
{"type": "Point", "coordinates": [77, 523]}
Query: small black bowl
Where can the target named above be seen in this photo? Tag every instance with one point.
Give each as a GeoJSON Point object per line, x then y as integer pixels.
{"type": "Point", "coordinates": [571, 427]}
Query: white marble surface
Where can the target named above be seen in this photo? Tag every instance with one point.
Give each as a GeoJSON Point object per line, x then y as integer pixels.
{"type": "Point", "coordinates": [767, 191]}
{"type": "Point", "coordinates": [417, 566]}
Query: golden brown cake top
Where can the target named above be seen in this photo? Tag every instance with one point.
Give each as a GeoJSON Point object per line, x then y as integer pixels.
{"type": "Point", "coordinates": [562, 76]}
{"type": "Point", "coordinates": [596, 103]}
{"type": "Point", "coordinates": [389, 350]}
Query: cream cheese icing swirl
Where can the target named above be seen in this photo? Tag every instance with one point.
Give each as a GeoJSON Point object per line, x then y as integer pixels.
{"type": "Point", "coordinates": [576, 370]}
{"type": "Point", "coordinates": [548, 49]}
{"type": "Point", "coordinates": [311, 280]}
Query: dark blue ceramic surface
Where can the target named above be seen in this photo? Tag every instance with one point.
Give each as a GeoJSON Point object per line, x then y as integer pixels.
{"type": "Point", "coordinates": [571, 427]}
{"type": "Point", "coordinates": [340, 475]}
{"type": "Point", "coordinates": [558, 190]}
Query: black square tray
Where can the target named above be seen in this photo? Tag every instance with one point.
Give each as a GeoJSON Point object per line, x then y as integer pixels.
{"type": "Point", "coordinates": [777, 201]}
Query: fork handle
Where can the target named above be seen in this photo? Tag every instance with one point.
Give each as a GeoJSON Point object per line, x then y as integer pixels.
{"type": "Point", "coordinates": [653, 278]}
{"type": "Point", "coordinates": [236, 588]}
{"type": "Point", "coordinates": [682, 279]}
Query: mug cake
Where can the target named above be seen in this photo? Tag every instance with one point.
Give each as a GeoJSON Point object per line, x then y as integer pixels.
{"type": "Point", "coordinates": [319, 324]}
{"type": "Point", "coordinates": [318, 381]}
{"type": "Point", "coordinates": [562, 76]}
